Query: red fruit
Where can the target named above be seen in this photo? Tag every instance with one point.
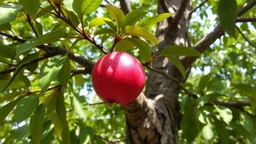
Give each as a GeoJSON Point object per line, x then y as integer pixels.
{"type": "Point", "coordinates": [118, 77]}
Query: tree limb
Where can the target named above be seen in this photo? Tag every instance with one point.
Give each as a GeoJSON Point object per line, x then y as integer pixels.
{"type": "Point", "coordinates": [208, 40]}
{"type": "Point", "coordinates": [178, 15]}
{"type": "Point", "coordinates": [252, 19]}
{"type": "Point", "coordinates": [125, 6]}
{"type": "Point", "coordinates": [54, 50]}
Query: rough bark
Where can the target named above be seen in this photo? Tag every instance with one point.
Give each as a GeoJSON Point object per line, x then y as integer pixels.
{"type": "Point", "coordinates": [154, 117]}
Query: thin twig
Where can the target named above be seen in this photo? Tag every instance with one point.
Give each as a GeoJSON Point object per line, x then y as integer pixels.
{"type": "Point", "coordinates": [31, 25]}
{"type": "Point", "coordinates": [200, 5]}
{"type": "Point", "coordinates": [96, 103]}
{"type": "Point", "coordinates": [173, 79]}
{"type": "Point", "coordinates": [80, 71]}
{"type": "Point", "coordinates": [125, 6]}
{"type": "Point", "coordinates": [252, 44]}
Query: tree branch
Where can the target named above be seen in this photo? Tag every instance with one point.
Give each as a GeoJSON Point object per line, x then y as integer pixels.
{"type": "Point", "coordinates": [236, 104]}
{"type": "Point", "coordinates": [208, 40]}
{"type": "Point", "coordinates": [80, 71]}
{"type": "Point", "coordinates": [246, 39]}
{"type": "Point", "coordinates": [252, 19]}
{"type": "Point", "coordinates": [200, 5]}
{"type": "Point", "coordinates": [54, 50]}
{"type": "Point", "coordinates": [177, 17]}
{"type": "Point", "coordinates": [125, 6]}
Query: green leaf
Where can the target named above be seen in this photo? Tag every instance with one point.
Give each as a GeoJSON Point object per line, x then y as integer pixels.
{"type": "Point", "coordinates": [178, 64]}
{"type": "Point", "coordinates": [117, 14]}
{"type": "Point", "coordinates": [28, 45]}
{"type": "Point", "coordinates": [82, 7]}
{"type": "Point", "coordinates": [145, 50]}
{"type": "Point", "coordinates": [98, 21]}
{"type": "Point", "coordinates": [28, 59]}
{"type": "Point", "coordinates": [225, 113]}
{"type": "Point", "coordinates": [61, 112]}
{"type": "Point", "coordinates": [179, 51]}
{"type": "Point", "coordinates": [140, 32]}
{"type": "Point", "coordinates": [36, 123]}
{"type": "Point", "coordinates": [38, 28]}
{"type": "Point", "coordinates": [189, 119]}
{"type": "Point", "coordinates": [153, 20]}
{"type": "Point", "coordinates": [9, 96]}
{"type": "Point", "coordinates": [6, 26]}
{"type": "Point", "coordinates": [222, 131]}
{"type": "Point", "coordinates": [5, 110]}
{"type": "Point", "coordinates": [124, 45]}
{"type": "Point", "coordinates": [65, 71]}
{"type": "Point", "coordinates": [26, 107]}
{"type": "Point", "coordinates": [227, 12]}
{"type": "Point", "coordinates": [8, 12]}
{"type": "Point", "coordinates": [79, 106]}
{"type": "Point", "coordinates": [127, 43]}
{"type": "Point", "coordinates": [7, 51]}
{"type": "Point", "coordinates": [85, 133]}
{"type": "Point", "coordinates": [50, 37]}
{"type": "Point", "coordinates": [30, 6]}
{"type": "Point", "coordinates": [204, 81]}
{"type": "Point", "coordinates": [207, 132]}
{"type": "Point", "coordinates": [247, 90]}
{"type": "Point", "coordinates": [104, 31]}
{"type": "Point", "coordinates": [132, 17]}
{"type": "Point", "coordinates": [49, 72]}
{"type": "Point", "coordinates": [32, 67]}
{"type": "Point", "coordinates": [47, 38]}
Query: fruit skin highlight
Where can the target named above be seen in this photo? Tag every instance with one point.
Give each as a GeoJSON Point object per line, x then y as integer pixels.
{"type": "Point", "coordinates": [118, 77]}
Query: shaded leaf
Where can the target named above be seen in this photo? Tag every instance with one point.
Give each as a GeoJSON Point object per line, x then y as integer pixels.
{"type": "Point", "coordinates": [8, 12]}
{"type": "Point", "coordinates": [117, 14]}
{"type": "Point", "coordinates": [36, 123]}
{"type": "Point", "coordinates": [227, 12]}
{"type": "Point", "coordinates": [178, 64]}
{"type": "Point", "coordinates": [153, 20]}
{"type": "Point", "coordinates": [5, 110]}
{"type": "Point", "coordinates": [180, 51]}
{"type": "Point", "coordinates": [30, 6]}
{"type": "Point", "coordinates": [6, 26]}
{"type": "Point", "coordinates": [61, 112]}
{"type": "Point", "coordinates": [26, 107]}
{"type": "Point", "coordinates": [140, 32]}
{"type": "Point", "coordinates": [221, 131]}
{"type": "Point", "coordinates": [65, 71]}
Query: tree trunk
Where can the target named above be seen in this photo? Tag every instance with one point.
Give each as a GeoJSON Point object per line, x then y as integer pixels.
{"type": "Point", "coordinates": [154, 117]}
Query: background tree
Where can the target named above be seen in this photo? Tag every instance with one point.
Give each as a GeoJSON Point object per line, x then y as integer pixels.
{"type": "Point", "coordinates": [48, 49]}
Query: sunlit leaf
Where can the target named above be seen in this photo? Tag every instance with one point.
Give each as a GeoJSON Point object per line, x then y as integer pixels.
{"type": "Point", "coordinates": [153, 20]}
{"type": "Point", "coordinates": [140, 32]}
{"type": "Point", "coordinates": [132, 17]}
{"type": "Point", "coordinates": [227, 12]}
{"type": "Point", "coordinates": [225, 113]}
{"type": "Point", "coordinates": [117, 14]}
{"type": "Point", "coordinates": [207, 132]}
{"type": "Point", "coordinates": [98, 21]}
{"type": "Point", "coordinates": [79, 105]}
{"type": "Point", "coordinates": [49, 72]}
{"type": "Point", "coordinates": [8, 12]}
